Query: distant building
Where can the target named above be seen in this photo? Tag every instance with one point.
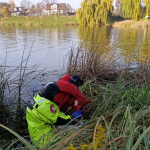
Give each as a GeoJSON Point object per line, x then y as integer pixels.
{"type": "Point", "coordinates": [55, 8]}
{"type": "Point", "coordinates": [18, 11]}
{"type": "Point", "coordinates": [35, 12]}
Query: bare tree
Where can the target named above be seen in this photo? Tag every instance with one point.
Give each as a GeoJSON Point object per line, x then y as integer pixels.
{"type": "Point", "coordinates": [38, 8]}
{"type": "Point", "coordinates": [12, 5]}
{"type": "Point", "coordinates": [32, 9]}
{"type": "Point", "coordinates": [26, 4]}
{"type": "Point", "coordinates": [23, 3]}
{"type": "Point", "coordinates": [69, 9]}
{"type": "Point", "coordinates": [45, 2]}
{"type": "Point", "coordinates": [118, 7]}
{"type": "Point", "coordinates": [29, 4]}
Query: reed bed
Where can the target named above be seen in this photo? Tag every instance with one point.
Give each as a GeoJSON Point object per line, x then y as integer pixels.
{"type": "Point", "coordinates": [101, 64]}
{"type": "Point", "coordinates": [12, 98]}
{"type": "Point", "coordinates": [94, 61]}
{"type": "Point", "coordinates": [132, 24]}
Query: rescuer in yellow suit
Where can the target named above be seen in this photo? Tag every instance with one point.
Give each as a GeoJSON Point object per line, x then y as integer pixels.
{"type": "Point", "coordinates": [44, 116]}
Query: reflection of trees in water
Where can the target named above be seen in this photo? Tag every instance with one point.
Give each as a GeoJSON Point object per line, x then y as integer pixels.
{"type": "Point", "coordinates": [134, 45]}
{"type": "Point", "coordinates": [144, 49]}
{"type": "Point", "coordinates": [128, 43]}
{"type": "Point", "coordinates": [95, 37]}
{"type": "Point", "coordinates": [4, 30]}
{"type": "Point", "coordinates": [8, 38]}
{"type": "Point", "coordinates": [29, 33]}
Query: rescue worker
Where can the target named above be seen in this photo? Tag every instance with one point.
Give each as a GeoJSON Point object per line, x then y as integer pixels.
{"type": "Point", "coordinates": [44, 116]}
{"type": "Point", "coordinates": [69, 94]}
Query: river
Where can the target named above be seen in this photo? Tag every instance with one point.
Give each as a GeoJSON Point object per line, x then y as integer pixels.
{"type": "Point", "coordinates": [47, 48]}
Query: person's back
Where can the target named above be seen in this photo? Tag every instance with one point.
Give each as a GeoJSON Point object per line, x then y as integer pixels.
{"type": "Point", "coordinates": [45, 115]}
{"type": "Point", "coordinates": [37, 120]}
{"type": "Point", "coordinates": [69, 94]}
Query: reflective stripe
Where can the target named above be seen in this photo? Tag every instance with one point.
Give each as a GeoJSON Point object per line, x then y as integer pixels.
{"type": "Point", "coordinates": [48, 84]}
{"type": "Point", "coordinates": [40, 101]}
{"type": "Point", "coordinates": [75, 103]}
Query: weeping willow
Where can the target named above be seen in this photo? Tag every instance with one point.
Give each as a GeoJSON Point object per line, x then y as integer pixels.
{"type": "Point", "coordinates": [127, 8]}
{"type": "Point", "coordinates": [131, 9]}
{"type": "Point", "coordinates": [147, 4]}
{"type": "Point", "coordinates": [136, 11]}
{"type": "Point", "coordinates": [94, 11]}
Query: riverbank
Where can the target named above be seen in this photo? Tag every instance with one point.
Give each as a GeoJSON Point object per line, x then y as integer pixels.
{"type": "Point", "coordinates": [55, 20]}
{"type": "Point", "coordinates": [117, 116]}
{"type": "Point", "coordinates": [131, 24]}
{"type": "Point", "coordinates": [39, 21]}
{"type": "Point", "coordinates": [115, 113]}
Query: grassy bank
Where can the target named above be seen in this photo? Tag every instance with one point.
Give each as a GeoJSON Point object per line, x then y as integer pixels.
{"type": "Point", "coordinates": [39, 20]}
{"type": "Point", "coordinates": [117, 116]}
{"type": "Point", "coordinates": [66, 21]}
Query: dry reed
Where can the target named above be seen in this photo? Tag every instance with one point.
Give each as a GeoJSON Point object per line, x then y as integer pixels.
{"type": "Point", "coordinates": [100, 63]}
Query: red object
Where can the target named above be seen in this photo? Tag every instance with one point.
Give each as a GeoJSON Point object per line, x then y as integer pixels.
{"type": "Point", "coordinates": [66, 78]}
{"type": "Point", "coordinates": [52, 109]}
{"type": "Point", "coordinates": [69, 95]}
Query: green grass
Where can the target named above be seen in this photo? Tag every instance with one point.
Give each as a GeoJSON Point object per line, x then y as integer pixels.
{"type": "Point", "coordinates": [123, 111]}
{"type": "Point", "coordinates": [39, 20]}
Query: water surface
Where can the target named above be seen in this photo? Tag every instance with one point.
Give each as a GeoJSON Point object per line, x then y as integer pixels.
{"type": "Point", "coordinates": [47, 48]}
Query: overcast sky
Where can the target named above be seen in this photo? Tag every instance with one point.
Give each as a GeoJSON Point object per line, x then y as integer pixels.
{"type": "Point", "coordinates": [74, 3]}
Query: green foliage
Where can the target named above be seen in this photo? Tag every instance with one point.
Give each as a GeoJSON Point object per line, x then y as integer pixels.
{"type": "Point", "coordinates": [40, 21]}
{"type": "Point", "coordinates": [147, 4]}
{"type": "Point", "coordinates": [127, 8]}
{"type": "Point", "coordinates": [5, 11]}
{"type": "Point", "coordinates": [134, 9]}
{"type": "Point", "coordinates": [126, 127]}
{"type": "Point", "coordinates": [135, 96]}
{"type": "Point", "coordinates": [94, 11]}
{"type": "Point", "coordinates": [136, 12]}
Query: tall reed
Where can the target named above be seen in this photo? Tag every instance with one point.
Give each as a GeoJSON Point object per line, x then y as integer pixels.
{"type": "Point", "coordinates": [12, 97]}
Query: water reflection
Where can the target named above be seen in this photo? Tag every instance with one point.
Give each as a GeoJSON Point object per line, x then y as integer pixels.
{"type": "Point", "coordinates": [144, 49]}
{"type": "Point", "coordinates": [134, 45]}
{"type": "Point", "coordinates": [126, 45]}
{"type": "Point", "coordinates": [49, 46]}
{"type": "Point", "coordinates": [96, 37]}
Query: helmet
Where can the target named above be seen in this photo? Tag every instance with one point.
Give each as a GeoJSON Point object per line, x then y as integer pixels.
{"type": "Point", "coordinates": [76, 80]}
{"type": "Point", "coordinates": [50, 90]}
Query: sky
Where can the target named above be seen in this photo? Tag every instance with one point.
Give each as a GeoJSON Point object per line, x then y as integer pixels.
{"type": "Point", "coordinates": [74, 3]}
